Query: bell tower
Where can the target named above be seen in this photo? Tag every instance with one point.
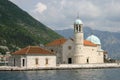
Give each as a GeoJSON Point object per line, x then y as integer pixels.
{"type": "Point", "coordinates": [78, 31]}
{"type": "Point", "coordinates": [78, 41]}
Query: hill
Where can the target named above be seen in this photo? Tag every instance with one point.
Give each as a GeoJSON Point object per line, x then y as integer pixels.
{"type": "Point", "coordinates": [110, 40]}
{"type": "Point", "coordinates": [18, 29]}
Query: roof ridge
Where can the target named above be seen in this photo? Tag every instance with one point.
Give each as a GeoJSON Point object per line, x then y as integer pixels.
{"type": "Point", "coordinates": [33, 50]}
{"type": "Point", "coordinates": [27, 50]}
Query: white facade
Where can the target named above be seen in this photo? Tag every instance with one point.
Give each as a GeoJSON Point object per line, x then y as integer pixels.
{"type": "Point", "coordinates": [32, 57]}
{"type": "Point", "coordinates": [78, 50]}
{"type": "Point", "coordinates": [29, 61]}
{"type": "Point", "coordinates": [78, 41]}
{"type": "Point", "coordinates": [33, 61]}
{"type": "Point", "coordinates": [58, 52]}
{"type": "Point", "coordinates": [68, 51]}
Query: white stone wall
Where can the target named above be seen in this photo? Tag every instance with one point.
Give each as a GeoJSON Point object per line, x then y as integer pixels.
{"type": "Point", "coordinates": [78, 52]}
{"type": "Point", "coordinates": [58, 50]}
{"type": "Point", "coordinates": [66, 52]}
{"type": "Point", "coordinates": [80, 56]}
{"type": "Point", "coordinates": [88, 52]}
{"type": "Point", "coordinates": [92, 54]}
{"type": "Point", "coordinates": [100, 58]}
{"type": "Point", "coordinates": [41, 61]}
{"type": "Point", "coordinates": [99, 65]}
{"type": "Point", "coordinates": [30, 61]}
{"type": "Point", "coordinates": [78, 37]}
{"type": "Point", "coordinates": [15, 60]}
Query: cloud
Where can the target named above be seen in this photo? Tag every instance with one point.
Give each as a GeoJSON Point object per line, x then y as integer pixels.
{"type": "Point", "coordinates": [40, 7]}
{"type": "Point", "coordinates": [61, 14]}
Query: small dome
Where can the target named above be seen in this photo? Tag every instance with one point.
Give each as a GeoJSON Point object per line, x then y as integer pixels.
{"type": "Point", "coordinates": [78, 21]}
{"type": "Point", "coordinates": [94, 39]}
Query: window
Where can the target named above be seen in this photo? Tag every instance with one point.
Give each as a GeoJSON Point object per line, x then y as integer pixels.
{"type": "Point", "coordinates": [80, 28]}
{"type": "Point", "coordinates": [23, 62]}
{"type": "Point", "coordinates": [87, 60]}
{"type": "Point", "coordinates": [46, 61]}
{"type": "Point", "coordinates": [52, 50]}
{"type": "Point", "coordinates": [36, 61]}
{"type": "Point", "coordinates": [77, 28]}
{"type": "Point", "coordinates": [14, 61]}
{"type": "Point", "coordinates": [69, 47]}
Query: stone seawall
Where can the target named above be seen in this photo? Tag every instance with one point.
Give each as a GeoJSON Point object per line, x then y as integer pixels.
{"type": "Point", "coordinates": [63, 67]}
{"type": "Point", "coordinates": [89, 65]}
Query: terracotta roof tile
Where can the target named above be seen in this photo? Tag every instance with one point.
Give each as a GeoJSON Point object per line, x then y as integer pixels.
{"type": "Point", "coordinates": [32, 50]}
{"type": "Point", "coordinates": [88, 43]}
{"type": "Point", "coordinates": [57, 42]}
{"type": "Point", "coordinates": [63, 40]}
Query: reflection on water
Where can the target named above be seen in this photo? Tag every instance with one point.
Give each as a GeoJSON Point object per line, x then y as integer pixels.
{"type": "Point", "coordinates": [80, 74]}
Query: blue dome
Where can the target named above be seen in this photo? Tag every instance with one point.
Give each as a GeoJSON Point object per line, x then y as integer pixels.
{"type": "Point", "coordinates": [78, 21]}
{"type": "Point", "coordinates": [94, 39]}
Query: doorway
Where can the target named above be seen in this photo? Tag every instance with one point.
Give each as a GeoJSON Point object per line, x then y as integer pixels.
{"type": "Point", "coordinates": [69, 60]}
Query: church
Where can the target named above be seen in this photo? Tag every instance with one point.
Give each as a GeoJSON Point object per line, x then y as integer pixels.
{"type": "Point", "coordinates": [77, 50]}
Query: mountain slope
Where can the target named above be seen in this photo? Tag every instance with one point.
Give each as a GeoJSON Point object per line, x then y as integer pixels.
{"type": "Point", "coordinates": [110, 40]}
{"type": "Point", "coordinates": [19, 29]}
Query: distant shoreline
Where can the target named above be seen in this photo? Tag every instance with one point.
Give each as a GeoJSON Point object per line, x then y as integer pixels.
{"type": "Point", "coordinates": [64, 67]}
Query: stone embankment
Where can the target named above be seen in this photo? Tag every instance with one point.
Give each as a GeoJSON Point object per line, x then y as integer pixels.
{"type": "Point", "coordinates": [63, 67]}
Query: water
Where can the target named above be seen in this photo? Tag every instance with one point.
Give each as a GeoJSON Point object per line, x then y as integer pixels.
{"type": "Point", "coordinates": [80, 74]}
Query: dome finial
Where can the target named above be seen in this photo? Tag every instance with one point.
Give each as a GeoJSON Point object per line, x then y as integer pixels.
{"type": "Point", "coordinates": [78, 21]}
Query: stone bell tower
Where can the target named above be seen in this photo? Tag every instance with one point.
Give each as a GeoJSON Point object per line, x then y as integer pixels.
{"type": "Point", "coordinates": [78, 41]}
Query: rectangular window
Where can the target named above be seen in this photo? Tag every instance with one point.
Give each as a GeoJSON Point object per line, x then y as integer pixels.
{"type": "Point", "coordinates": [46, 61]}
{"type": "Point", "coordinates": [14, 61]}
{"type": "Point", "coordinates": [87, 60]}
{"type": "Point", "coordinates": [36, 61]}
{"type": "Point", "coordinates": [23, 62]}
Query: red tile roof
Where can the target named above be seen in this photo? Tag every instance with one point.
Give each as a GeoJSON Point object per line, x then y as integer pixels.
{"type": "Point", "coordinates": [88, 43]}
{"type": "Point", "coordinates": [63, 40]}
{"type": "Point", "coordinates": [32, 50]}
{"type": "Point", "coordinates": [57, 42]}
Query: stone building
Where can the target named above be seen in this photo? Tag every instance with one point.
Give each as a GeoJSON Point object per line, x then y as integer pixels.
{"type": "Point", "coordinates": [32, 57]}
{"type": "Point", "coordinates": [77, 50]}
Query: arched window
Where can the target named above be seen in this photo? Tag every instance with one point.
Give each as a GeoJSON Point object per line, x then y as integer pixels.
{"type": "Point", "coordinates": [77, 28]}
{"type": "Point", "coordinates": [80, 28]}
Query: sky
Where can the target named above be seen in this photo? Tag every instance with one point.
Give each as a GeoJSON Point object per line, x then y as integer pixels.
{"type": "Point", "coordinates": [60, 14]}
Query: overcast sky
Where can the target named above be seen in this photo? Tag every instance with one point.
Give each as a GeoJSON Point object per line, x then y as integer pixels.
{"type": "Point", "coordinates": [61, 14]}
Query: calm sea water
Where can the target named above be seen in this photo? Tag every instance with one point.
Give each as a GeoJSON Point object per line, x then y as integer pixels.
{"type": "Point", "coordinates": [80, 74]}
